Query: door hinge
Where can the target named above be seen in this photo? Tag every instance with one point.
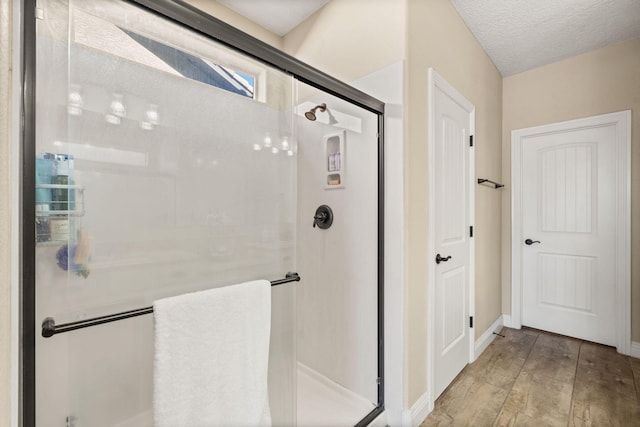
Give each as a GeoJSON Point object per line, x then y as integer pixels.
{"type": "Point", "coordinates": [378, 381]}
{"type": "Point", "coordinates": [470, 140]}
{"type": "Point", "coordinates": [471, 231]}
{"type": "Point", "coordinates": [471, 321]}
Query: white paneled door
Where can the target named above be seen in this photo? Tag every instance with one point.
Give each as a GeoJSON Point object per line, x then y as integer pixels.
{"type": "Point", "coordinates": [568, 241]}
{"type": "Point", "coordinates": [452, 175]}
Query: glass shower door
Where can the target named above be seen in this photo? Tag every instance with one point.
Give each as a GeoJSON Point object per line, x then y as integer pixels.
{"type": "Point", "coordinates": [337, 305]}
{"type": "Point", "coordinates": [166, 165]}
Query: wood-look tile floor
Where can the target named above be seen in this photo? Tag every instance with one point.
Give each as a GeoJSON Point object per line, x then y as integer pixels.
{"type": "Point", "coordinates": [535, 378]}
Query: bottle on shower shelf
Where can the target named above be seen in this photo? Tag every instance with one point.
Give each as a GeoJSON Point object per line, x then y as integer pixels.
{"type": "Point", "coordinates": [64, 198]}
{"type": "Point", "coordinates": [334, 161]}
{"type": "Point", "coordinates": [45, 169]}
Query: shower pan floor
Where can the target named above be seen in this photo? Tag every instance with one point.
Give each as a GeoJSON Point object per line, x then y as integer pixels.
{"type": "Point", "coordinates": [324, 403]}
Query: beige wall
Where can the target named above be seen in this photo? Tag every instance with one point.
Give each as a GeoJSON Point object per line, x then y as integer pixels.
{"type": "Point", "coordinates": [438, 38]}
{"type": "Point", "coordinates": [350, 38]}
{"type": "Point", "coordinates": [598, 82]}
{"type": "Point", "coordinates": [227, 15]}
{"type": "Point", "coordinates": [5, 209]}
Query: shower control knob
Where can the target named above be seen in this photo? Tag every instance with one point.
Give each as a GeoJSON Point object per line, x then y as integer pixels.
{"type": "Point", "coordinates": [319, 218]}
{"type": "Point", "coordinates": [323, 217]}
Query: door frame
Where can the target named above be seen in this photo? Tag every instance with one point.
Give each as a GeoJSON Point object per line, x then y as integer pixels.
{"type": "Point", "coordinates": [622, 121]}
{"type": "Point", "coordinates": [437, 81]}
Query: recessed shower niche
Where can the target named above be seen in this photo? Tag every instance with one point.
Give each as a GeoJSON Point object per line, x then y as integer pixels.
{"type": "Point", "coordinates": [334, 152]}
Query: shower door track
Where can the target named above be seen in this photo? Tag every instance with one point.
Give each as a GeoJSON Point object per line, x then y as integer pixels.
{"type": "Point", "coordinates": [213, 28]}
{"type": "Point", "coordinates": [49, 327]}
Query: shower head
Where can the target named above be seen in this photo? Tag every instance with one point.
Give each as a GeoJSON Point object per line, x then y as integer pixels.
{"type": "Point", "coordinates": [311, 114]}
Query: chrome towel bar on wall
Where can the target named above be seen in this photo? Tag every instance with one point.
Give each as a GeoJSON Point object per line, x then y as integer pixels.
{"type": "Point", "coordinates": [49, 327]}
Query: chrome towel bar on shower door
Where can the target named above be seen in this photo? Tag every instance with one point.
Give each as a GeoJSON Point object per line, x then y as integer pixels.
{"type": "Point", "coordinates": [49, 327]}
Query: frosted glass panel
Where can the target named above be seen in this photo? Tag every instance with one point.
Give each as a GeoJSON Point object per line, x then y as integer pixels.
{"type": "Point", "coordinates": [166, 165]}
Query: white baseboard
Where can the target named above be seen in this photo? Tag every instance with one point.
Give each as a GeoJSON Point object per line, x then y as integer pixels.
{"type": "Point", "coordinates": [419, 412]}
{"type": "Point", "coordinates": [506, 321]}
{"type": "Point", "coordinates": [635, 349]}
{"type": "Point", "coordinates": [488, 336]}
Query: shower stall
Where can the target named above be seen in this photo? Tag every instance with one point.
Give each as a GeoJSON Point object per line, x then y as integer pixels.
{"type": "Point", "coordinates": [166, 152]}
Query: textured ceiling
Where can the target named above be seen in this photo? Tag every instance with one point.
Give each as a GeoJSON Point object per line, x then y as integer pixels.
{"type": "Point", "coordinates": [277, 16]}
{"type": "Point", "coordinates": [520, 35]}
{"type": "Point", "coordinates": [517, 34]}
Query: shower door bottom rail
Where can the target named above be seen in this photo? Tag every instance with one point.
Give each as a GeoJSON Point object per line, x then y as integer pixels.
{"type": "Point", "coordinates": [49, 327]}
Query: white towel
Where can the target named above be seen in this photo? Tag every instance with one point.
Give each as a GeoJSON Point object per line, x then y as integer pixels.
{"type": "Point", "coordinates": [212, 357]}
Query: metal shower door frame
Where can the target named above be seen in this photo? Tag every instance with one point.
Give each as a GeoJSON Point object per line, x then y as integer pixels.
{"type": "Point", "coordinates": [217, 30]}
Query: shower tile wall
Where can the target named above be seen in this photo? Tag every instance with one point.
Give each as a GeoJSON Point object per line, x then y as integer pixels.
{"type": "Point", "coordinates": [337, 302]}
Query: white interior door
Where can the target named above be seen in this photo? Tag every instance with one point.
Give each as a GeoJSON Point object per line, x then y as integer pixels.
{"type": "Point", "coordinates": [571, 232]}
{"type": "Point", "coordinates": [569, 208]}
{"type": "Point", "coordinates": [452, 242]}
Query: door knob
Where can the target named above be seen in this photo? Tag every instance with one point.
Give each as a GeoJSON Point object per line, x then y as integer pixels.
{"type": "Point", "coordinates": [530, 242]}
{"type": "Point", "coordinates": [440, 259]}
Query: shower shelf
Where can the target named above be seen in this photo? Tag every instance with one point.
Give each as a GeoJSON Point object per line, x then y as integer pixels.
{"type": "Point", "coordinates": [79, 201]}
{"type": "Point", "coordinates": [57, 226]}
{"type": "Point", "coordinates": [334, 154]}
